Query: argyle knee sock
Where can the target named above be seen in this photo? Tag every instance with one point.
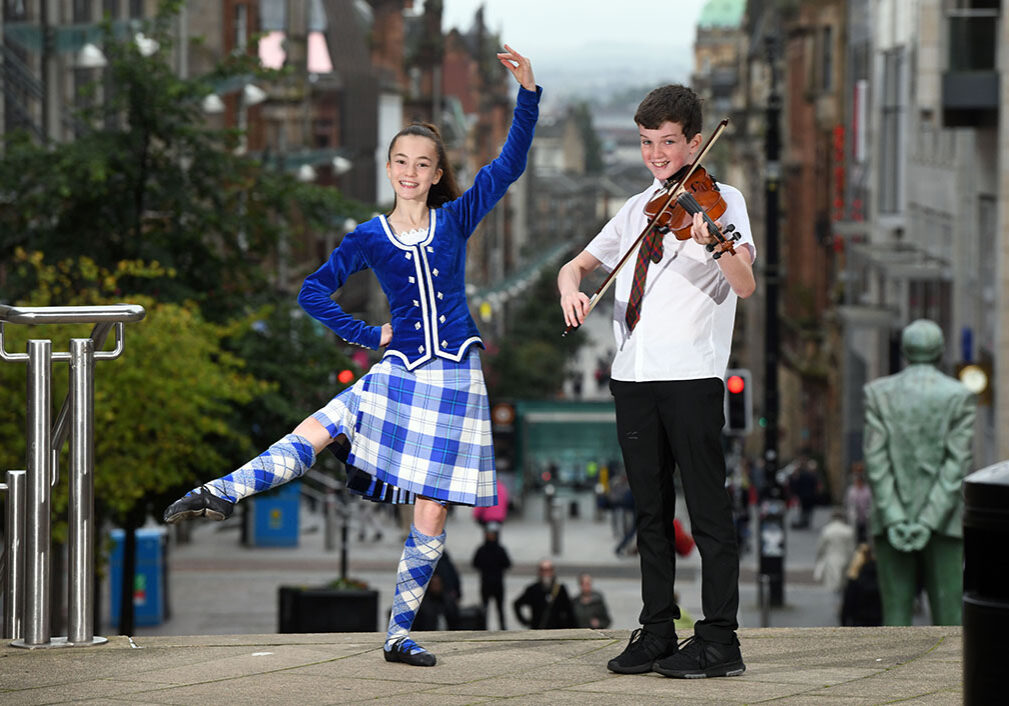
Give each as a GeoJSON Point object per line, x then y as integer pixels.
{"type": "Point", "coordinates": [420, 556]}
{"type": "Point", "coordinates": [284, 461]}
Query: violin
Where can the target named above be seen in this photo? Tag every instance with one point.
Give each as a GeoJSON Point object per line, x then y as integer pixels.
{"type": "Point", "coordinates": [700, 194]}
{"type": "Point", "coordinates": [689, 191]}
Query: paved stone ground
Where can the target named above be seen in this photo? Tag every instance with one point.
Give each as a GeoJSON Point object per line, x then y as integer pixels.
{"type": "Point", "coordinates": [914, 665]}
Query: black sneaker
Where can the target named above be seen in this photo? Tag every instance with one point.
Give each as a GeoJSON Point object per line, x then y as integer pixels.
{"type": "Point", "coordinates": [698, 658]}
{"type": "Point", "coordinates": [199, 503]}
{"type": "Point", "coordinates": [401, 651]}
{"type": "Point", "coordinates": [642, 650]}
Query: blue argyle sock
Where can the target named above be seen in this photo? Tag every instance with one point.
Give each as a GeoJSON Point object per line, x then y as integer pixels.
{"type": "Point", "coordinates": [286, 460]}
{"type": "Point", "coordinates": [420, 555]}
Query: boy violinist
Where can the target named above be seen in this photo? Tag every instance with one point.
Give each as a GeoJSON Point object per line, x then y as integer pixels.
{"type": "Point", "coordinates": [672, 318]}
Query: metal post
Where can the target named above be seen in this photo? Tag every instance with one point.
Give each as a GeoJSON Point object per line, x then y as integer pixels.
{"type": "Point", "coordinates": [330, 521]}
{"type": "Point", "coordinates": [765, 600]}
{"type": "Point", "coordinates": [37, 628]}
{"type": "Point", "coordinates": [14, 550]}
{"type": "Point", "coordinates": [556, 520]}
{"type": "Point", "coordinates": [773, 565]}
{"type": "Point", "coordinates": [81, 542]}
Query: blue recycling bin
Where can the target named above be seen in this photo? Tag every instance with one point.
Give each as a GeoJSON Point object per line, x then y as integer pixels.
{"type": "Point", "coordinates": [275, 517]}
{"type": "Point", "coordinates": [149, 580]}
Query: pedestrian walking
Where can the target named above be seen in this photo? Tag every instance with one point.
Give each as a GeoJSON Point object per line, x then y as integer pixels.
{"type": "Point", "coordinates": [416, 427]}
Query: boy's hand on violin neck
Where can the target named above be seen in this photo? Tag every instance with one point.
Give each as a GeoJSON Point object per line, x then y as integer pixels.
{"type": "Point", "coordinates": [699, 230]}
{"type": "Point", "coordinates": [521, 68]}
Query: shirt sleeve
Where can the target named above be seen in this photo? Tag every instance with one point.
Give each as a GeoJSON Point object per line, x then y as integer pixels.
{"type": "Point", "coordinates": [316, 294]}
{"type": "Point", "coordinates": [605, 247]}
{"type": "Point", "coordinates": [736, 215]}
{"type": "Point", "coordinates": [493, 180]}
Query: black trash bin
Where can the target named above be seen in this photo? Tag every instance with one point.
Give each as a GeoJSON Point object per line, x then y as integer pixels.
{"type": "Point", "coordinates": [985, 583]}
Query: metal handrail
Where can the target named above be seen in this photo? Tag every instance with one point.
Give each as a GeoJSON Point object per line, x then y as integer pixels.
{"type": "Point", "coordinates": [44, 441]}
{"type": "Point", "coordinates": [113, 313]}
{"type": "Point", "coordinates": [116, 314]}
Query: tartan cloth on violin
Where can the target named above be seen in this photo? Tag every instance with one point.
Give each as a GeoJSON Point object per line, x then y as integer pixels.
{"type": "Point", "coordinates": [423, 432]}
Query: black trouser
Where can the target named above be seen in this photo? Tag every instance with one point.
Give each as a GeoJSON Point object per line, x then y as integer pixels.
{"type": "Point", "coordinates": [663, 425]}
{"type": "Point", "coordinates": [495, 591]}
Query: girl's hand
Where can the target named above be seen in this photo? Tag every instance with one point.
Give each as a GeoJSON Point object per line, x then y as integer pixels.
{"type": "Point", "coordinates": [520, 67]}
{"type": "Point", "coordinates": [386, 336]}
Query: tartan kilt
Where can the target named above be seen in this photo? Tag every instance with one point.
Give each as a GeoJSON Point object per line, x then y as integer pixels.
{"type": "Point", "coordinates": [422, 432]}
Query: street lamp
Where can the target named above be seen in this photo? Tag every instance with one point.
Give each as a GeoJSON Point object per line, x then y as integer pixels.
{"type": "Point", "coordinates": [342, 165]}
{"type": "Point", "coordinates": [306, 173]}
{"type": "Point", "coordinates": [252, 95]}
{"type": "Point", "coordinates": [212, 104]}
{"type": "Point", "coordinates": [91, 57]}
{"type": "Point", "coordinates": [145, 45]}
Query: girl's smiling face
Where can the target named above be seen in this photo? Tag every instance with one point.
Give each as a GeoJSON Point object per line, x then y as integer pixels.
{"type": "Point", "coordinates": [413, 167]}
{"type": "Point", "coordinates": [664, 150]}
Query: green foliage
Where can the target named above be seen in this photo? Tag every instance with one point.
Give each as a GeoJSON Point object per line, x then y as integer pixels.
{"type": "Point", "coordinates": [160, 409]}
{"type": "Point", "coordinates": [148, 178]}
{"type": "Point", "coordinates": [301, 357]}
{"type": "Point", "coordinates": [531, 361]}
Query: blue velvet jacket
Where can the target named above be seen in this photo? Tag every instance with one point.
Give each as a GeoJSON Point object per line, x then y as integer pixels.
{"type": "Point", "coordinates": [424, 283]}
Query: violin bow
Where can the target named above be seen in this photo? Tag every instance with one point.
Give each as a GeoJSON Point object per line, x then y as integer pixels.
{"type": "Point", "coordinates": [674, 193]}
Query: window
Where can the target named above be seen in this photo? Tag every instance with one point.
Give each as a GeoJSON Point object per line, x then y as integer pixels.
{"type": "Point", "coordinates": [973, 28]}
{"type": "Point", "coordinates": [241, 28]}
{"type": "Point", "coordinates": [891, 131]}
{"type": "Point", "coordinates": [827, 59]}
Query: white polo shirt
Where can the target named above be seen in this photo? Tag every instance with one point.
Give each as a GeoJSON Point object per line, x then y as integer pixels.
{"type": "Point", "coordinates": [688, 308]}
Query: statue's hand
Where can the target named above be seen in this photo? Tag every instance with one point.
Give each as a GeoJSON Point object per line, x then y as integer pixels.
{"type": "Point", "coordinates": [899, 536]}
{"type": "Point", "coordinates": [918, 536]}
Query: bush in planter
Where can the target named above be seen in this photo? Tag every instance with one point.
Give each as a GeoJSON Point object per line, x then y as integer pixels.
{"type": "Point", "coordinates": [343, 605]}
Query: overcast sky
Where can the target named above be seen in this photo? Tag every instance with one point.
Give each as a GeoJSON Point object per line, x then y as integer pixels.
{"type": "Point", "coordinates": [570, 41]}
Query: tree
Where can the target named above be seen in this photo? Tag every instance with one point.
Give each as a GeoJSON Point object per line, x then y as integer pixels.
{"type": "Point", "coordinates": [531, 361]}
{"type": "Point", "coordinates": [149, 180]}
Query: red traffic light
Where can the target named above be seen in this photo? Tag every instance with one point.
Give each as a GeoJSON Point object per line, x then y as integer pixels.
{"type": "Point", "coordinates": [735, 384]}
{"type": "Point", "coordinates": [345, 376]}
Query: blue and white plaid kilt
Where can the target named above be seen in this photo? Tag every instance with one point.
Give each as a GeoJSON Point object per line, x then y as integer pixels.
{"type": "Point", "coordinates": [422, 432]}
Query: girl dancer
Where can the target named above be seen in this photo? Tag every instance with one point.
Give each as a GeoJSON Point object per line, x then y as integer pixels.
{"type": "Point", "coordinates": [416, 427]}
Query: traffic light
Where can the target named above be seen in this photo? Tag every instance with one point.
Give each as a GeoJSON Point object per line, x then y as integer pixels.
{"type": "Point", "coordinates": [738, 402]}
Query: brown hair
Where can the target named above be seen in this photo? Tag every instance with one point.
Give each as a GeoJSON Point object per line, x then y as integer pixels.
{"type": "Point", "coordinates": [675, 103]}
{"type": "Point", "coordinates": [446, 189]}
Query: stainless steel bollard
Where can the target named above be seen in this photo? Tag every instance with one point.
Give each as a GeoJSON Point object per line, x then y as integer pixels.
{"type": "Point", "coordinates": [556, 527]}
{"type": "Point", "coordinates": [37, 628]}
{"type": "Point", "coordinates": [14, 551]}
{"type": "Point", "coordinates": [81, 527]}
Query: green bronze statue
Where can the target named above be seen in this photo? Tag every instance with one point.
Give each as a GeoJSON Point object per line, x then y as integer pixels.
{"type": "Point", "coordinates": [919, 425]}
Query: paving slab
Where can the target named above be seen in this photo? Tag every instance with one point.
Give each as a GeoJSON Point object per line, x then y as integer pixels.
{"type": "Point", "coordinates": [834, 666]}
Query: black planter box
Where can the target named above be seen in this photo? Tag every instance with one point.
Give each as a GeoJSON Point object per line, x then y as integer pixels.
{"type": "Point", "coordinates": [327, 610]}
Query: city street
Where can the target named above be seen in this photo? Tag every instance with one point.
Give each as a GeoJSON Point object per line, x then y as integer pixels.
{"type": "Point", "coordinates": [218, 586]}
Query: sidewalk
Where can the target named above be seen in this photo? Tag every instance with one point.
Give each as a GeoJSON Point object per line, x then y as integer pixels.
{"type": "Point", "coordinates": [919, 665]}
{"type": "Point", "coordinates": [218, 586]}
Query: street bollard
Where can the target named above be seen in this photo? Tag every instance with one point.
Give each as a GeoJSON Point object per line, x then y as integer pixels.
{"type": "Point", "coordinates": [548, 500]}
{"type": "Point", "coordinates": [330, 522]}
{"type": "Point", "coordinates": [556, 527]}
{"type": "Point", "coordinates": [772, 548]}
{"type": "Point", "coordinates": [764, 596]}
{"type": "Point", "coordinates": [985, 582]}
